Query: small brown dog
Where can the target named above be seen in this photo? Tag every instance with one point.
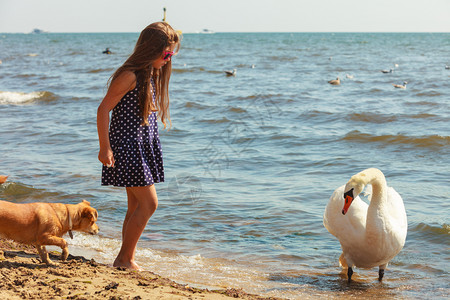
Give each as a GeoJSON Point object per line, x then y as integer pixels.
{"type": "Point", "coordinates": [41, 224]}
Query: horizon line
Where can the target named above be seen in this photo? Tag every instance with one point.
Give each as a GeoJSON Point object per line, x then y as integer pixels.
{"type": "Point", "coordinates": [214, 32]}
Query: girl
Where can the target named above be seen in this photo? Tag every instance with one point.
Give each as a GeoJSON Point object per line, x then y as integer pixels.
{"type": "Point", "coordinates": [130, 150]}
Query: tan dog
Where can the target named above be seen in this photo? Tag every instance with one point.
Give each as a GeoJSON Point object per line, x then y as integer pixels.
{"type": "Point", "coordinates": [43, 224]}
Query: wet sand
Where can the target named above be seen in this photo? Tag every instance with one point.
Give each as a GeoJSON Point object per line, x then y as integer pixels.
{"type": "Point", "coordinates": [23, 276]}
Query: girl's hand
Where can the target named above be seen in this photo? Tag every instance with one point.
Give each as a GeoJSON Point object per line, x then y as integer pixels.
{"type": "Point", "coordinates": [106, 157]}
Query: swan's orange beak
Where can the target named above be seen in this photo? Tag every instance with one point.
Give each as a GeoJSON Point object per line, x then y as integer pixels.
{"type": "Point", "coordinates": [348, 196]}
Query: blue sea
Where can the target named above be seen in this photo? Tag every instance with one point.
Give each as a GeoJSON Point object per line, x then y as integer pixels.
{"type": "Point", "coordinates": [251, 160]}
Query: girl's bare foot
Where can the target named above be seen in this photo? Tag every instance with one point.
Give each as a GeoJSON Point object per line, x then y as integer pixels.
{"type": "Point", "coordinates": [126, 264]}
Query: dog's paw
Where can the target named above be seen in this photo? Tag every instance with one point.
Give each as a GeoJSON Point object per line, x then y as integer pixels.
{"type": "Point", "coordinates": [48, 262]}
{"type": "Point", "coordinates": [64, 254]}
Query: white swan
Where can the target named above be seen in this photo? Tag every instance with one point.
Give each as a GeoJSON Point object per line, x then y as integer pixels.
{"type": "Point", "coordinates": [370, 235]}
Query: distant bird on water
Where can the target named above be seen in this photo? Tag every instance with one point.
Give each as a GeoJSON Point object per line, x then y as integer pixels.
{"type": "Point", "coordinates": [337, 81]}
{"type": "Point", "coordinates": [386, 71]}
{"type": "Point", "coordinates": [107, 51]}
{"type": "Point", "coordinates": [349, 76]}
{"type": "Point", "coordinates": [231, 73]}
{"type": "Point", "coordinates": [399, 86]}
{"type": "Point", "coordinates": [447, 67]}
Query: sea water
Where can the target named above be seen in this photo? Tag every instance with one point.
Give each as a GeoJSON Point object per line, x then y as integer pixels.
{"type": "Point", "coordinates": [251, 160]}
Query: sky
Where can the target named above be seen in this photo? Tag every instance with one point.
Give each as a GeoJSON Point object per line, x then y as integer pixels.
{"type": "Point", "coordinates": [227, 15]}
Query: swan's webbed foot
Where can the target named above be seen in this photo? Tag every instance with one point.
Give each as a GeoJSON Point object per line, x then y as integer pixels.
{"type": "Point", "coordinates": [349, 274]}
{"type": "Point", "coordinates": [380, 274]}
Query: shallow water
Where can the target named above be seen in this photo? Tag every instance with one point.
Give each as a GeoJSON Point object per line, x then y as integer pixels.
{"type": "Point", "coordinates": [250, 160]}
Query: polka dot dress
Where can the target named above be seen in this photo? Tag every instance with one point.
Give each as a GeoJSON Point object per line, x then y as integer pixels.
{"type": "Point", "coordinates": [136, 148]}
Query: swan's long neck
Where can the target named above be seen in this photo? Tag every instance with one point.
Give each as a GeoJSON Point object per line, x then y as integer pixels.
{"type": "Point", "coordinates": [379, 188]}
{"type": "Point", "coordinates": [375, 213]}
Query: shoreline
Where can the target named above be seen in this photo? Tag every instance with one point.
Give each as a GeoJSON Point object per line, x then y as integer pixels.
{"type": "Point", "coordinates": [23, 276]}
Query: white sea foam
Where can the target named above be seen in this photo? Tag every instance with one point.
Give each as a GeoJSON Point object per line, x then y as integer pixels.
{"type": "Point", "coordinates": [19, 97]}
{"type": "Point", "coordinates": [192, 269]}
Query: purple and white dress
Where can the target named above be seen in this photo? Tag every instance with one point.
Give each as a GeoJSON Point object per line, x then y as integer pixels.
{"type": "Point", "coordinates": [136, 148]}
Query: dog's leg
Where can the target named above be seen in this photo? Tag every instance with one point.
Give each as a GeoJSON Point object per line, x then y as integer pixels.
{"type": "Point", "coordinates": [65, 253]}
{"type": "Point", "coordinates": [57, 241]}
{"type": "Point", "coordinates": [44, 255]}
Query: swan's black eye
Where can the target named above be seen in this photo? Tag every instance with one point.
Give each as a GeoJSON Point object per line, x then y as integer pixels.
{"type": "Point", "coordinates": [348, 194]}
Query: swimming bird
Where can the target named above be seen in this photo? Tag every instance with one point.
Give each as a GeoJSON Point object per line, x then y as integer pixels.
{"type": "Point", "coordinates": [349, 76]}
{"type": "Point", "coordinates": [399, 86]}
{"type": "Point", "coordinates": [107, 51]}
{"type": "Point", "coordinates": [386, 71]}
{"type": "Point", "coordinates": [3, 178]}
{"type": "Point", "coordinates": [231, 73]}
{"type": "Point", "coordinates": [370, 235]}
{"type": "Point", "coordinates": [447, 67]}
{"type": "Point", "coordinates": [336, 81]}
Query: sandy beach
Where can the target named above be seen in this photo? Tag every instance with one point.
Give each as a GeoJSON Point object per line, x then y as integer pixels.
{"type": "Point", "coordinates": [23, 276]}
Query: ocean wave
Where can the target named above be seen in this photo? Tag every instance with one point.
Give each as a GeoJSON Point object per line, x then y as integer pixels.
{"type": "Point", "coordinates": [24, 75]}
{"type": "Point", "coordinates": [443, 229]}
{"type": "Point", "coordinates": [238, 110]}
{"type": "Point", "coordinates": [432, 233]}
{"type": "Point", "coordinates": [372, 118]}
{"type": "Point", "coordinates": [16, 189]}
{"type": "Point", "coordinates": [274, 98]}
{"type": "Point", "coordinates": [21, 193]}
{"type": "Point", "coordinates": [422, 103]}
{"type": "Point", "coordinates": [284, 59]}
{"type": "Point", "coordinates": [195, 105]}
{"type": "Point", "coordinates": [75, 53]}
{"type": "Point", "coordinates": [196, 70]}
{"type": "Point", "coordinates": [423, 116]}
{"type": "Point", "coordinates": [428, 141]}
{"type": "Point", "coordinates": [216, 121]}
{"type": "Point", "coordinates": [94, 71]}
{"type": "Point", "coordinates": [427, 94]}
{"type": "Point", "coordinates": [320, 116]}
{"type": "Point", "coordinates": [19, 98]}
{"type": "Point", "coordinates": [376, 118]}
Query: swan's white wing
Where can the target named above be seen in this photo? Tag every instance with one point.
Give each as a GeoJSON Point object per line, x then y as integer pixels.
{"type": "Point", "coordinates": [397, 214]}
{"type": "Point", "coordinates": [348, 227]}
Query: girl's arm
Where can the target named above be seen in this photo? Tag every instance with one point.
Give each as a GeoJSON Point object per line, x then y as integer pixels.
{"type": "Point", "coordinates": [124, 83]}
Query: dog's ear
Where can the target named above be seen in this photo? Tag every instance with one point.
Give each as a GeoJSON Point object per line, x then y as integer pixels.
{"type": "Point", "coordinates": [86, 202]}
{"type": "Point", "coordinates": [89, 213]}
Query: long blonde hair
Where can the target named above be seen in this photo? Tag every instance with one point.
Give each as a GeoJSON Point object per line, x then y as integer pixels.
{"type": "Point", "coordinates": [153, 40]}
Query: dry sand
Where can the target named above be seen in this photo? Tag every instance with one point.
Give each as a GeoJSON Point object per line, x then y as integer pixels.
{"type": "Point", "coordinates": [23, 276]}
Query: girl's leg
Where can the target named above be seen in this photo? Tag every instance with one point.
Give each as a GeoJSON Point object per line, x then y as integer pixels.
{"type": "Point", "coordinates": [142, 203]}
{"type": "Point", "coordinates": [132, 205]}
